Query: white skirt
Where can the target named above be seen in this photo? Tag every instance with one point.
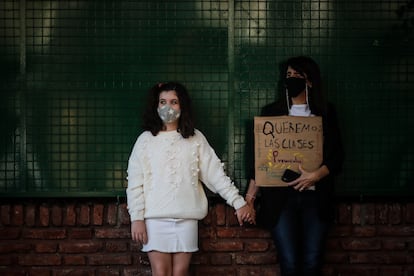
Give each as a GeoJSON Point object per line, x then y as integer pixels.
{"type": "Point", "coordinates": [171, 235]}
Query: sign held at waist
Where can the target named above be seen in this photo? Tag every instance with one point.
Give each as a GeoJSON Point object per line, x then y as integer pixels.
{"type": "Point", "coordinates": [285, 142]}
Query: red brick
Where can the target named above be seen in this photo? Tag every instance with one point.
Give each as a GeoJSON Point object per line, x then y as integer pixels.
{"type": "Point", "coordinates": [200, 259]}
{"type": "Point", "coordinates": [123, 215]}
{"type": "Point", "coordinates": [378, 258]}
{"type": "Point", "coordinates": [222, 245]}
{"type": "Point", "coordinates": [257, 246]}
{"type": "Point", "coordinates": [81, 271]}
{"type": "Point", "coordinates": [221, 259]}
{"type": "Point", "coordinates": [341, 231]}
{"type": "Point", "coordinates": [45, 247]}
{"type": "Point", "coordinates": [361, 244]}
{"type": "Point", "coordinates": [363, 214]}
{"type": "Point", "coordinates": [407, 231]}
{"type": "Point", "coordinates": [344, 214]}
{"type": "Point", "coordinates": [382, 211]}
{"type": "Point", "coordinates": [227, 232]}
{"type": "Point", "coordinates": [364, 231]}
{"type": "Point", "coordinates": [258, 271]}
{"type": "Point", "coordinates": [108, 259]}
{"type": "Point", "coordinates": [70, 216]}
{"type": "Point", "coordinates": [17, 215]}
{"type": "Point", "coordinates": [357, 270]}
{"type": "Point", "coordinates": [410, 245]}
{"type": "Point", "coordinates": [112, 215]}
{"type": "Point", "coordinates": [255, 258]}
{"type": "Point", "coordinates": [80, 247]}
{"type": "Point", "coordinates": [40, 260]}
{"type": "Point", "coordinates": [394, 271]}
{"type": "Point", "coordinates": [108, 272]}
{"type": "Point", "coordinates": [220, 210]}
{"type": "Point", "coordinates": [135, 246]}
{"type": "Point", "coordinates": [369, 213]}
{"type": "Point", "coordinates": [113, 233]}
{"type": "Point", "coordinates": [98, 213]}
{"type": "Point", "coordinates": [30, 215]}
{"type": "Point", "coordinates": [39, 271]}
{"type": "Point", "coordinates": [231, 217]}
{"type": "Point", "coordinates": [10, 233]}
{"type": "Point", "coordinates": [395, 213]}
{"type": "Point", "coordinates": [336, 257]}
{"type": "Point", "coordinates": [57, 215]}
{"type": "Point", "coordinates": [409, 270]}
{"type": "Point", "coordinates": [253, 232]}
{"type": "Point", "coordinates": [356, 214]}
{"type": "Point", "coordinates": [44, 215]}
{"type": "Point", "coordinates": [5, 260]}
{"type": "Point", "coordinates": [377, 249]}
{"type": "Point", "coordinates": [207, 232]}
{"type": "Point", "coordinates": [219, 271]}
{"type": "Point", "coordinates": [334, 244]}
{"type": "Point", "coordinates": [137, 271]}
{"type": "Point", "coordinates": [242, 232]}
{"type": "Point", "coordinates": [5, 214]}
{"type": "Point", "coordinates": [45, 234]}
{"type": "Point", "coordinates": [13, 271]}
{"type": "Point", "coordinates": [116, 246]}
{"type": "Point", "coordinates": [74, 260]}
{"type": "Point", "coordinates": [207, 220]}
{"type": "Point", "coordinates": [84, 215]}
{"type": "Point", "coordinates": [409, 216]}
{"type": "Point", "coordinates": [394, 244]}
{"type": "Point", "coordinates": [80, 233]}
{"type": "Point", "coordinates": [14, 247]}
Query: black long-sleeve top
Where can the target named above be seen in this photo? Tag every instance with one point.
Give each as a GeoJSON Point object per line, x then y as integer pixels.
{"type": "Point", "coordinates": [272, 199]}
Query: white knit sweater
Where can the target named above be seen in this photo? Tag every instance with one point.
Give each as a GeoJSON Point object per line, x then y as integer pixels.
{"type": "Point", "coordinates": [165, 174]}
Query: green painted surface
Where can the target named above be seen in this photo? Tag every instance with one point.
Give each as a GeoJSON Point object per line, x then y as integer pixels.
{"type": "Point", "coordinates": [75, 74]}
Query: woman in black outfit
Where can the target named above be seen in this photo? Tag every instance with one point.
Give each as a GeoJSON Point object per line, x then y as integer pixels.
{"type": "Point", "coordinates": [298, 216]}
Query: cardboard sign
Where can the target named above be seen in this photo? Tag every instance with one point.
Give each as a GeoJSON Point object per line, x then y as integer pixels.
{"type": "Point", "coordinates": [284, 142]}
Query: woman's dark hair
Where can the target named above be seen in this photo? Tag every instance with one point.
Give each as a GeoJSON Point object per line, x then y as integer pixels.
{"type": "Point", "coordinates": [305, 66]}
{"type": "Point", "coordinates": [152, 122]}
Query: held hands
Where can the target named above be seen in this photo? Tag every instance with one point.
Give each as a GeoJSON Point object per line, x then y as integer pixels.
{"type": "Point", "coordinates": [246, 214]}
{"type": "Point", "coordinates": [139, 231]}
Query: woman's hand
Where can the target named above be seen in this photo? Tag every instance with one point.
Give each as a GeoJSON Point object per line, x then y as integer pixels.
{"type": "Point", "coordinates": [308, 179]}
{"type": "Point", "coordinates": [139, 231]}
{"type": "Point", "coordinates": [246, 213]}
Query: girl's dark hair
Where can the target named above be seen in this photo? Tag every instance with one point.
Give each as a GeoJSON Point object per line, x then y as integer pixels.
{"type": "Point", "coordinates": [305, 66]}
{"type": "Point", "coordinates": [152, 122]}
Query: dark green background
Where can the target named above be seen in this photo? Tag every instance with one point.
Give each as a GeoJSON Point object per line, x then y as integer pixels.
{"type": "Point", "coordinates": [74, 76]}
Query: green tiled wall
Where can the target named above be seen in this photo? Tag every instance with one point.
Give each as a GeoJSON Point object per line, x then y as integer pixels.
{"type": "Point", "coordinates": [75, 73]}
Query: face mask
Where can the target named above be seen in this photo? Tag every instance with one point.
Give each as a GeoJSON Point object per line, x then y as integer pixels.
{"type": "Point", "coordinates": [168, 114]}
{"type": "Point", "coordinates": [295, 86]}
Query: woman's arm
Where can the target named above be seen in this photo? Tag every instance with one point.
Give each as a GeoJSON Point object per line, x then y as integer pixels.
{"type": "Point", "coordinates": [251, 192]}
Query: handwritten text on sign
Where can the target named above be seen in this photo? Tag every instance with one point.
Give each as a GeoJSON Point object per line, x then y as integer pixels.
{"type": "Point", "coordinates": [284, 142]}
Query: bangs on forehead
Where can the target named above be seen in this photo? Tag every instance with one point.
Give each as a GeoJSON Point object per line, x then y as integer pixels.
{"type": "Point", "coordinates": [171, 93]}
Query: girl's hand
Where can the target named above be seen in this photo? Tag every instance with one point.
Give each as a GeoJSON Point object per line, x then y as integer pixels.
{"type": "Point", "coordinates": [139, 231]}
{"type": "Point", "coordinates": [246, 213]}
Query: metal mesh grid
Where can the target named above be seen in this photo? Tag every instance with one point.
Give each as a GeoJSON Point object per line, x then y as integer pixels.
{"type": "Point", "coordinates": [76, 73]}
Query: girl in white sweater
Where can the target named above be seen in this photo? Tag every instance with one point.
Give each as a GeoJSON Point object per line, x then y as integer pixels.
{"type": "Point", "coordinates": [168, 164]}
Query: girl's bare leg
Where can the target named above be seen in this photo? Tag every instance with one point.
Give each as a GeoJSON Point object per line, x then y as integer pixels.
{"type": "Point", "coordinates": [181, 264]}
{"type": "Point", "coordinates": [161, 263]}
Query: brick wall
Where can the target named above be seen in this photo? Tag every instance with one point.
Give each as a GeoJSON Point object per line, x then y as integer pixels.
{"type": "Point", "coordinates": [91, 237]}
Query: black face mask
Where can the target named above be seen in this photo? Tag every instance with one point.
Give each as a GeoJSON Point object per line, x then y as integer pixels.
{"type": "Point", "coordinates": [295, 86]}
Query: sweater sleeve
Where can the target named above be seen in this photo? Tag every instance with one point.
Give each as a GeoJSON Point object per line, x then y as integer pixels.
{"type": "Point", "coordinates": [135, 177]}
{"type": "Point", "coordinates": [213, 176]}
